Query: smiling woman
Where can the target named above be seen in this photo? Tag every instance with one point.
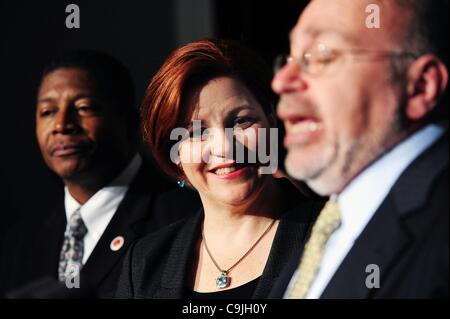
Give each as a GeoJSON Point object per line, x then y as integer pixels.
{"type": "Point", "coordinates": [238, 242]}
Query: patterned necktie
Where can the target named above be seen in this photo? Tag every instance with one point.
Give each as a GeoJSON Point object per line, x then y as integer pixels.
{"type": "Point", "coordinates": [327, 222]}
{"type": "Point", "coordinates": [71, 257]}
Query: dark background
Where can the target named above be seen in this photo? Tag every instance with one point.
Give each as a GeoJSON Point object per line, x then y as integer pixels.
{"type": "Point", "coordinates": [139, 33]}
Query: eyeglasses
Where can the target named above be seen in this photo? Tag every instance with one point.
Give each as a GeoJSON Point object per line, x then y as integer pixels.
{"type": "Point", "coordinates": [315, 60]}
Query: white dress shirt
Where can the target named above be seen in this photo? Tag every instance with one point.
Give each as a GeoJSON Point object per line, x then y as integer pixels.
{"type": "Point", "coordinates": [359, 201]}
{"type": "Point", "coordinates": [98, 211]}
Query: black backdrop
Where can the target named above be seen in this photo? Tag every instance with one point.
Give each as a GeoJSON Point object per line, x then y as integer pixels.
{"type": "Point", "coordinates": [139, 33]}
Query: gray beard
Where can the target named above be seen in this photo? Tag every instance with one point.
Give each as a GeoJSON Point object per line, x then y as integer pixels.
{"type": "Point", "coordinates": [360, 154]}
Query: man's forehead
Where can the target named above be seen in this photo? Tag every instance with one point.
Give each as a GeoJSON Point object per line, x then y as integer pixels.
{"type": "Point", "coordinates": [314, 32]}
{"type": "Point", "coordinates": [347, 20]}
{"type": "Point", "coordinates": [66, 80]}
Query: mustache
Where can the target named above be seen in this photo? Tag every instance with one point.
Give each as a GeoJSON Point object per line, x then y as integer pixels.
{"type": "Point", "coordinates": [81, 145]}
{"type": "Point", "coordinates": [298, 106]}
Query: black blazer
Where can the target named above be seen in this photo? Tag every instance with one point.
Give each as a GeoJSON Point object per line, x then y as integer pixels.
{"type": "Point", "coordinates": [408, 238]}
{"type": "Point", "coordinates": [158, 265]}
{"type": "Point", "coordinates": [32, 253]}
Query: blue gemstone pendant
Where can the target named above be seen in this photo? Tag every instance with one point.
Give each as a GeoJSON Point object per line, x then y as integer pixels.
{"type": "Point", "coordinates": [223, 281]}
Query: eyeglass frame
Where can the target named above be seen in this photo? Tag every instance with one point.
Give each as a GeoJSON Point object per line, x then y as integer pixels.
{"type": "Point", "coordinates": [335, 54]}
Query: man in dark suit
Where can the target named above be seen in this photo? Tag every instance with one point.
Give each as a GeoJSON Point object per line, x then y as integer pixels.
{"type": "Point", "coordinates": [87, 130]}
{"type": "Point", "coordinates": [364, 100]}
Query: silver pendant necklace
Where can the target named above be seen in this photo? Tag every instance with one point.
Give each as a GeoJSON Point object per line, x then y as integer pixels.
{"type": "Point", "coordinates": [224, 280]}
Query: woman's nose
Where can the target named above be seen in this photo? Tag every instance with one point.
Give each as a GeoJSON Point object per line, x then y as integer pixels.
{"type": "Point", "coordinates": [221, 142]}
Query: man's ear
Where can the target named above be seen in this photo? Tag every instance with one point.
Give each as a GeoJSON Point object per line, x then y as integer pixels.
{"type": "Point", "coordinates": [427, 81]}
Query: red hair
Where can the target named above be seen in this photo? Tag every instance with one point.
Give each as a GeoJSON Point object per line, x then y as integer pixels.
{"type": "Point", "coordinates": [186, 69]}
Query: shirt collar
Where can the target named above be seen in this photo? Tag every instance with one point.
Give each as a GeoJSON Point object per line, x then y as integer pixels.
{"type": "Point", "coordinates": [362, 197]}
{"type": "Point", "coordinates": [105, 200]}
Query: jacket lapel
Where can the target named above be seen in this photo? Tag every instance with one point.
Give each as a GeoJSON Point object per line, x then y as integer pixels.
{"type": "Point", "coordinates": [379, 244]}
{"type": "Point", "coordinates": [387, 235]}
{"type": "Point", "coordinates": [293, 229]}
{"type": "Point", "coordinates": [48, 245]}
{"type": "Point", "coordinates": [129, 222]}
{"type": "Point", "coordinates": [286, 249]}
{"type": "Point", "coordinates": [181, 256]}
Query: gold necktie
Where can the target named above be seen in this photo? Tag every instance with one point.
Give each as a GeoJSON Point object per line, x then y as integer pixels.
{"type": "Point", "coordinates": [327, 222]}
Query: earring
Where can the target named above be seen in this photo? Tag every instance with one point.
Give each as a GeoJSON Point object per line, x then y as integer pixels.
{"type": "Point", "coordinates": [181, 183]}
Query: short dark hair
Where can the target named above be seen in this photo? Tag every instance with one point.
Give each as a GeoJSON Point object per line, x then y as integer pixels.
{"type": "Point", "coordinates": [428, 33]}
{"type": "Point", "coordinates": [110, 76]}
{"type": "Point", "coordinates": [185, 70]}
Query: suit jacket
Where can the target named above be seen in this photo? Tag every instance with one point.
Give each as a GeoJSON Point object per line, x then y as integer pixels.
{"type": "Point", "coordinates": [158, 266]}
{"type": "Point", "coordinates": [407, 238]}
{"type": "Point", "coordinates": [149, 204]}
